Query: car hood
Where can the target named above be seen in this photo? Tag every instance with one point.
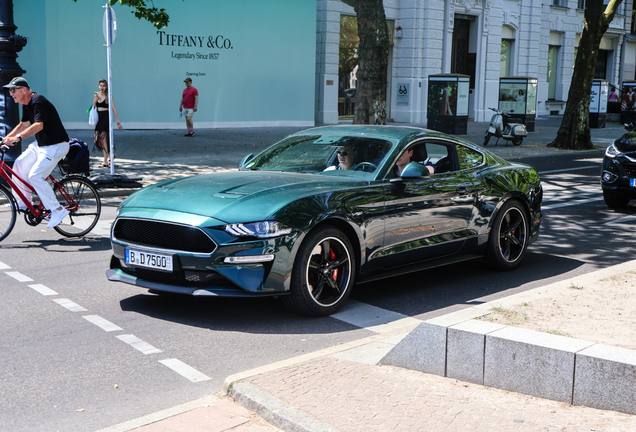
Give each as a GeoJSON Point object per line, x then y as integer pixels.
{"type": "Point", "coordinates": [235, 196]}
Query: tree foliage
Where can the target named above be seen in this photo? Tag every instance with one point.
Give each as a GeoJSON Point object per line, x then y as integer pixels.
{"type": "Point", "coordinates": [574, 132]}
{"type": "Point", "coordinates": [146, 10]}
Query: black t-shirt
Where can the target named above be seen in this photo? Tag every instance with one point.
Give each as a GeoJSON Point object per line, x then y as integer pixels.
{"type": "Point", "coordinates": [41, 110]}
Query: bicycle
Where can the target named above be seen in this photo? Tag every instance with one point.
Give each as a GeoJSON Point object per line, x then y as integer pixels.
{"type": "Point", "coordinates": [75, 192]}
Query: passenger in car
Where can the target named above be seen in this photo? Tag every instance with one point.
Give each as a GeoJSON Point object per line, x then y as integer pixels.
{"type": "Point", "coordinates": [404, 160]}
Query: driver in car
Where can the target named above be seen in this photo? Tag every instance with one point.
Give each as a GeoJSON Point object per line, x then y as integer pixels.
{"type": "Point", "coordinates": [347, 155]}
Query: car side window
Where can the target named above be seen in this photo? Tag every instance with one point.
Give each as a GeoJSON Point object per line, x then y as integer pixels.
{"type": "Point", "coordinates": [468, 158]}
{"type": "Point", "coordinates": [439, 156]}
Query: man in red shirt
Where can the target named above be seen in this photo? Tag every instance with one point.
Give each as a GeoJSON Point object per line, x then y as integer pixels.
{"type": "Point", "coordinates": [189, 101]}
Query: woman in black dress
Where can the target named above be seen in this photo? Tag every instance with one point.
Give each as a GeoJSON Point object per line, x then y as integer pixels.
{"type": "Point", "coordinates": [101, 128]}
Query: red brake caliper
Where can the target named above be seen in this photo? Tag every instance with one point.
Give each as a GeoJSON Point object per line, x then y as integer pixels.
{"type": "Point", "coordinates": [332, 256]}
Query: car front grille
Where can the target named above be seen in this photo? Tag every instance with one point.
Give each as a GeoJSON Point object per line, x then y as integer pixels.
{"type": "Point", "coordinates": [163, 235]}
{"type": "Point", "coordinates": [629, 167]}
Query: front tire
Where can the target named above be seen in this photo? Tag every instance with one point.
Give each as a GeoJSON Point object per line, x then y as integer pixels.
{"type": "Point", "coordinates": [615, 201]}
{"type": "Point", "coordinates": [486, 139]}
{"type": "Point", "coordinates": [323, 274]}
{"type": "Point", "coordinates": [509, 237]}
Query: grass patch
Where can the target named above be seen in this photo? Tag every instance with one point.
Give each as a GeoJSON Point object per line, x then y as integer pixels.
{"type": "Point", "coordinates": [576, 287]}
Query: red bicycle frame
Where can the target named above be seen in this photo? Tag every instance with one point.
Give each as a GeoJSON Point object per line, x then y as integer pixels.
{"type": "Point", "coordinates": [39, 212]}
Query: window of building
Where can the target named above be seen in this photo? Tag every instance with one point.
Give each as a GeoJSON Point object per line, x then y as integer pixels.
{"type": "Point", "coordinates": [553, 61]}
{"type": "Point", "coordinates": [506, 56]}
{"type": "Point", "coordinates": [619, 11]}
{"type": "Point", "coordinates": [600, 71]}
{"type": "Point", "coordinates": [562, 3]}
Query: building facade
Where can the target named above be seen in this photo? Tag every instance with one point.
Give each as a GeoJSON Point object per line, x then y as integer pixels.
{"type": "Point", "coordinates": [485, 39]}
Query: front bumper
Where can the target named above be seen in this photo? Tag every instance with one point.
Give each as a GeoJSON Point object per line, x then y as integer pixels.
{"type": "Point", "coordinates": [207, 272]}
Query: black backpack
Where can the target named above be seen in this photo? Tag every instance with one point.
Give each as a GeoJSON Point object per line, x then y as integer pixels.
{"type": "Point", "coordinates": [77, 160]}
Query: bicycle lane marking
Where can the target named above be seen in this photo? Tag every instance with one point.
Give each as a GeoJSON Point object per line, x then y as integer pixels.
{"type": "Point", "coordinates": [145, 348]}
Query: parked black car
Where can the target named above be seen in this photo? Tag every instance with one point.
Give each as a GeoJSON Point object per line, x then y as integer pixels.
{"type": "Point", "coordinates": [618, 175]}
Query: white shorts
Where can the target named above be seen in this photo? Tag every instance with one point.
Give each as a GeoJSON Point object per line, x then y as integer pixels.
{"type": "Point", "coordinates": [188, 112]}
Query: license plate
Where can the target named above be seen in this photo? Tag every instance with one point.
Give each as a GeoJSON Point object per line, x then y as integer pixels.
{"type": "Point", "coordinates": [491, 129]}
{"type": "Point", "coordinates": [149, 260]}
{"type": "Point", "coordinates": [632, 182]}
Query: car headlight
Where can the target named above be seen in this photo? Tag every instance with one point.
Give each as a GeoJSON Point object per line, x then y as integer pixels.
{"type": "Point", "coordinates": [612, 151]}
{"type": "Point", "coordinates": [265, 229]}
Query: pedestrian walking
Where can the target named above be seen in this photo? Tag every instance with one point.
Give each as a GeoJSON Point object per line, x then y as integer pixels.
{"type": "Point", "coordinates": [35, 164]}
{"type": "Point", "coordinates": [189, 102]}
{"type": "Point", "coordinates": [102, 132]}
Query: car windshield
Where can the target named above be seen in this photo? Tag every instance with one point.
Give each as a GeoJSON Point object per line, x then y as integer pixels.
{"type": "Point", "coordinates": [339, 155]}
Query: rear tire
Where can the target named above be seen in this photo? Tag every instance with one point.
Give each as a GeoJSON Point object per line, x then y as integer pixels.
{"type": "Point", "coordinates": [615, 201]}
{"type": "Point", "coordinates": [323, 274]}
{"type": "Point", "coordinates": [8, 212]}
{"type": "Point", "coordinates": [517, 140]}
{"type": "Point", "coordinates": [509, 237]}
{"type": "Point", "coordinates": [82, 202]}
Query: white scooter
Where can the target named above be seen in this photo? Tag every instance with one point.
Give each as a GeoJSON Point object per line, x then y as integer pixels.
{"type": "Point", "coordinates": [500, 128]}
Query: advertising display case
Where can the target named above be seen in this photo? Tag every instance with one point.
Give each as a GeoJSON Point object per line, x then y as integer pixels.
{"type": "Point", "coordinates": [447, 108]}
{"type": "Point", "coordinates": [518, 99]}
{"type": "Point", "coordinates": [628, 102]}
{"type": "Point", "coordinates": [598, 103]}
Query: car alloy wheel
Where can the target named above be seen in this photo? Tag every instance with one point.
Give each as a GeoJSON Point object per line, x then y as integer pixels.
{"type": "Point", "coordinates": [323, 274]}
{"type": "Point", "coordinates": [509, 236]}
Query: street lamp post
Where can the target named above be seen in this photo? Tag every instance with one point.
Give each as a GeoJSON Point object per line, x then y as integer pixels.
{"type": "Point", "coordinates": [10, 45]}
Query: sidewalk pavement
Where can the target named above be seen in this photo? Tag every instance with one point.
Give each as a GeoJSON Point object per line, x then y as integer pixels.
{"type": "Point", "coordinates": [343, 388]}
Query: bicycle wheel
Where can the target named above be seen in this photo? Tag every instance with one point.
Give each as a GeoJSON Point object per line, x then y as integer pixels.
{"type": "Point", "coordinates": [81, 199]}
{"type": "Point", "coordinates": [8, 212]}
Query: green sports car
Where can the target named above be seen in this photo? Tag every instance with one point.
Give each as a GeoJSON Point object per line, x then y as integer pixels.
{"type": "Point", "coordinates": [324, 209]}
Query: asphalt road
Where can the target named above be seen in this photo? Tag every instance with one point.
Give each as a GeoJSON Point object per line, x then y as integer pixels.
{"type": "Point", "coordinates": [94, 353]}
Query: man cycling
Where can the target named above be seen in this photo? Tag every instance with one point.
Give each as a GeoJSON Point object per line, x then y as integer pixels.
{"type": "Point", "coordinates": [35, 164]}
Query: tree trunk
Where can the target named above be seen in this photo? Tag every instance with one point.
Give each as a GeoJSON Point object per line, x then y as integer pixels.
{"type": "Point", "coordinates": [373, 54]}
{"type": "Point", "coordinates": [574, 132]}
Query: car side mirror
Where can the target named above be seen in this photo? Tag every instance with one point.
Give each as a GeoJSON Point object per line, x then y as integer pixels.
{"type": "Point", "coordinates": [414, 170]}
{"type": "Point", "coordinates": [245, 160]}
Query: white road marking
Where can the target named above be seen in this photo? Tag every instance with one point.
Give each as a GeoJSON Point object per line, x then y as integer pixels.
{"type": "Point", "coordinates": [19, 277]}
{"type": "Point", "coordinates": [44, 290]}
{"type": "Point", "coordinates": [3, 266]}
{"type": "Point", "coordinates": [621, 220]}
{"type": "Point", "coordinates": [568, 169]}
{"type": "Point", "coordinates": [570, 203]}
{"type": "Point", "coordinates": [72, 306]}
{"type": "Point", "coordinates": [184, 370]}
{"type": "Point", "coordinates": [138, 344]}
{"type": "Point", "coordinates": [372, 318]}
{"type": "Point", "coordinates": [102, 323]}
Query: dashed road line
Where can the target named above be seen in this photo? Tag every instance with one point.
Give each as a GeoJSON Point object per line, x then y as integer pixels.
{"type": "Point", "coordinates": [184, 370]}
{"type": "Point", "coordinates": [72, 306]}
{"type": "Point", "coordinates": [19, 276]}
{"type": "Point", "coordinates": [102, 323]}
{"type": "Point", "coordinates": [138, 344]}
{"type": "Point", "coordinates": [42, 289]}
{"type": "Point", "coordinates": [3, 266]}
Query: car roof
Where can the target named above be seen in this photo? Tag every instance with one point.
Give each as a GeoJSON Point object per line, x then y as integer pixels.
{"type": "Point", "coordinates": [391, 132]}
